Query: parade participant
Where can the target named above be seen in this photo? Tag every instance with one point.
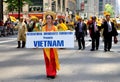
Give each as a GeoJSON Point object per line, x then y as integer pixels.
{"type": "Point", "coordinates": [89, 22]}
{"type": "Point", "coordinates": [27, 24]}
{"type": "Point", "coordinates": [81, 31]}
{"type": "Point", "coordinates": [75, 25]}
{"type": "Point", "coordinates": [115, 23]}
{"type": "Point", "coordinates": [70, 25]}
{"type": "Point", "coordinates": [36, 25]}
{"type": "Point", "coordinates": [22, 29]}
{"type": "Point", "coordinates": [94, 33]}
{"type": "Point", "coordinates": [103, 20]}
{"type": "Point", "coordinates": [1, 23]}
{"type": "Point", "coordinates": [109, 31]}
{"type": "Point", "coordinates": [62, 26]}
{"type": "Point", "coordinates": [56, 22]}
{"type": "Point", "coordinates": [50, 54]}
{"type": "Point", "coordinates": [7, 21]}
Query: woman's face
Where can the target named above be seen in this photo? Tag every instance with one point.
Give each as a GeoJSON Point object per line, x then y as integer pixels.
{"type": "Point", "coordinates": [49, 19]}
{"type": "Point", "coordinates": [61, 21]}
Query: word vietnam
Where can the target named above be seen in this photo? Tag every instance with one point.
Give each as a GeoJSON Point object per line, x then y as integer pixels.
{"type": "Point", "coordinates": [49, 43]}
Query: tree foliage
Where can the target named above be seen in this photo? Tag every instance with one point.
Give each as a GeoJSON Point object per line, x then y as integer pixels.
{"type": "Point", "coordinates": [109, 9]}
{"type": "Point", "coordinates": [14, 4]}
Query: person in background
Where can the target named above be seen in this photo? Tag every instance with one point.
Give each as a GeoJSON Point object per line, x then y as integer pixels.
{"type": "Point", "coordinates": [70, 25]}
{"type": "Point", "coordinates": [109, 31]}
{"type": "Point", "coordinates": [95, 34]}
{"type": "Point", "coordinates": [75, 26]}
{"type": "Point", "coordinates": [62, 26]}
{"type": "Point", "coordinates": [27, 24]}
{"type": "Point", "coordinates": [81, 31]}
{"type": "Point", "coordinates": [22, 29]}
{"type": "Point", "coordinates": [56, 22]}
{"type": "Point", "coordinates": [36, 26]}
{"type": "Point", "coordinates": [103, 20]}
{"type": "Point", "coordinates": [1, 23]}
{"type": "Point", "coordinates": [50, 54]}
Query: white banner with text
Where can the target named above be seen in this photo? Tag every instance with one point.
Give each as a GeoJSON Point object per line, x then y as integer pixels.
{"type": "Point", "coordinates": [64, 39]}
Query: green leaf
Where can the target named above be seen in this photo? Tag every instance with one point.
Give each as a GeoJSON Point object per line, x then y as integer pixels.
{"type": "Point", "coordinates": [109, 8]}
{"type": "Point", "coordinates": [13, 4]}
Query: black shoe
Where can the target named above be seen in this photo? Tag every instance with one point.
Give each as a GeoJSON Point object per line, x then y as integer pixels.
{"type": "Point", "coordinates": [79, 48]}
{"type": "Point", "coordinates": [51, 77]}
{"type": "Point", "coordinates": [92, 49]}
{"type": "Point", "coordinates": [48, 76]}
{"type": "Point", "coordinates": [96, 48]}
{"type": "Point", "coordinates": [105, 50]}
{"type": "Point", "coordinates": [19, 44]}
{"type": "Point", "coordinates": [108, 49]}
{"type": "Point", "coordinates": [18, 47]}
{"type": "Point", "coordinates": [23, 44]}
{"type": "Point", "coordinates": [83, 48]}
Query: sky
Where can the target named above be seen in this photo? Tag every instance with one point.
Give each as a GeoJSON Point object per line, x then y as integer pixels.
{"type": "Point", "coordinates": [119, 2]}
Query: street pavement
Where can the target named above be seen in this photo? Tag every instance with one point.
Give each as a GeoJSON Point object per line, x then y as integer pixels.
{"type": "Point", "coordinates": [27, 65]}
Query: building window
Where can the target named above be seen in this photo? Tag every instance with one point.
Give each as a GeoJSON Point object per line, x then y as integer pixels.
{"type": "Point", "coordinates": [36, 6]}
{"type": "Point", "coordinates": [85, 1]}
{"type": "Point", "coordinates": [100, 0]}
{"type": "Point", "coordinates": [53, 5]}
{"type": "Point", "coordinates": [35, 9]}
{"type": "Point", "coordinates": [63, 5]}
{"type": "Point", "coordinates": [59, 5]}
{"type": "Point", "coordinates": [100, 6]}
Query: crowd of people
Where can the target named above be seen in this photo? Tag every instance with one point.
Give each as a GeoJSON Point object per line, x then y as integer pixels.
{"type": "Point", "coordinates": [7, 28]}
{"type": "Point", "coordinates": [97, 27]}
{"type": "Point", "coordinates": [105, 28]}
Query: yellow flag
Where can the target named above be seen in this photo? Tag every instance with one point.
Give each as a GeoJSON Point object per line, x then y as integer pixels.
{"type": "Point", "coordinates": [13, 18]}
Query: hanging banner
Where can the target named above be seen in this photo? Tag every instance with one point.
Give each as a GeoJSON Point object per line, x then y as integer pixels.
{"type": "Point", "coordinates": [50, 39]}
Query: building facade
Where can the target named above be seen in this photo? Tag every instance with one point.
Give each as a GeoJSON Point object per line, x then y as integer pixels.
{"type": "Point", "coordinates": [117, 8]}
{"type": "Point", "coordinates": [101, 7]}
{"type": "Point", "coordinates": [87, 8]}
{"type": "Point", "coordinates": [39, 6]}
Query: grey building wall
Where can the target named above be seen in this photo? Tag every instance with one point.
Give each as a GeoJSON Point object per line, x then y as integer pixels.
{"type": "Point", "coordinates": [91, 8]}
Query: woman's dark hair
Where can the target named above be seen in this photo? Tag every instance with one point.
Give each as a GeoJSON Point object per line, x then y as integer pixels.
{"type": "Point", "coordinates": [62, 20]}
{"type": "Point", "coordinates": [49, 15]}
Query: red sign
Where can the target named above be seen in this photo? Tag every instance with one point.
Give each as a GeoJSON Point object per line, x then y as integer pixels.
{"type": "Point", "coordinates": [82, 6]}
{"type": "Point", "coordinates": [40, 15]}
{"type": "Point", "coordinates": [59, 16]}
{"type": "Point", "coordinates": [15, 15]}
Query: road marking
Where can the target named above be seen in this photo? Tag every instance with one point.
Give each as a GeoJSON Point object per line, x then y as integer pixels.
{"type": "Point", "coordinates": [7, 41]}
{"type": "Point", "coordinates": [88, 44]}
